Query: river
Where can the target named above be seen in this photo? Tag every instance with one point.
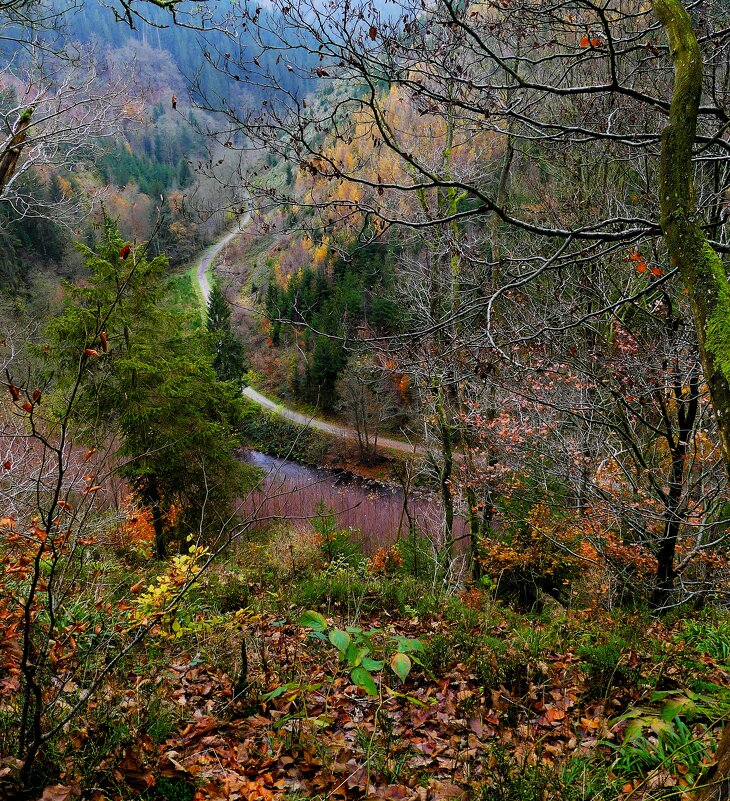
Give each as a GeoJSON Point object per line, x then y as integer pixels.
{"type": "Point", "coordinates": [375, 512]}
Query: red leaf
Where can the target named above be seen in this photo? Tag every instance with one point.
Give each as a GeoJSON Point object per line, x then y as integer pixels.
{"type": "Point", "coordinates": [104, 341]}
{"type": "Point", "coordinates": [125, 251]}
{"type": "Point", "coordinates": [15, 392]}
{"type": "Point", "coordinates": [595, 42]}
{"type": "Point", "coordinates": [585, 41]}
{"type": "Point", "coordinates": [27, 406]}
{"type": "Point", "coordinates": [90, 352]}
{"type": "Point", "coordinates": [36, 396]}
{"type": "Point", "coordinates": [373, 32]}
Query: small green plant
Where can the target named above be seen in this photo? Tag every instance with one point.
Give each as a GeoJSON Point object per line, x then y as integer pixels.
{"type": "Point", "coordinates": [170, 790]}
{"type": "Point", "coordinates": [439, 655]}
{"type": "Point", "coordinates": [708, 639]}
{"type": "Point", "coordinates": [658, 737]}
{"type": "Point", "coordinates": [335, 544]}
{"type": "Point", "coordinates": [513, 780]}
{"type": "Point", "coordinates": [602, 662]}
{"type": "Point", "coordinates": [676, 750]}
{"type": "Point", "coordinates": [357, 646]}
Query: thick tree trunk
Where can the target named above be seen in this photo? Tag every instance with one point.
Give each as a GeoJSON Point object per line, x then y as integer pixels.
{"type": "Point", "coordinates": [700, 266]}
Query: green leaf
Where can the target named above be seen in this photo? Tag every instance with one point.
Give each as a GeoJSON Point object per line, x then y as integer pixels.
{"type": "Point", "coordinates": [340, 639]}
{"type": "Point", "coordinates": [634, 729]}
{"type": "Point", "coordinates": [313, 620]}
{"type": "Point", "coordinates": [372, 664]}
{"type": "Point", "coordinates": [401, 665]}
{"type": "Point", "coordinates": [362, 678]}
{"type": "Point", "coordinates": [351, 654]}
{"type": "Point", "coordinates": [679, 705]}
{"type": "Point", "coordinates": [406, 645]}
{"type": "Point", "coordinates": [661, 727]}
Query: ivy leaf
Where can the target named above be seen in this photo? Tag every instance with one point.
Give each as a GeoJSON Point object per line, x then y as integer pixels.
{"type": "Point", "coordinates": [362, 678]}
{"type": "Point", "coordinates": [340, 639]}
{"type": "Point", "coordinates": [313, 620]}
{"type": "Point", "coordinates": [401, 665]}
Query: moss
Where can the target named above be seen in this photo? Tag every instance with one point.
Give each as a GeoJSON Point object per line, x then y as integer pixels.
{"type": "Point", "coordinates": [717, 330]}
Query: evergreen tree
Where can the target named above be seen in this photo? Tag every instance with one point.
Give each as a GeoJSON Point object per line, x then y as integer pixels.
{"type": "Point", "coordinates": [149, 381]}
{"type": "Point", "coordinates": [229, 360]}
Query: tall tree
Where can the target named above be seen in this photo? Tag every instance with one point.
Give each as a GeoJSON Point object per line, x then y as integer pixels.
{"type": "Point", "coordinates": [229, 360]}
{"type": "Point", "coordinates": [150, 381]}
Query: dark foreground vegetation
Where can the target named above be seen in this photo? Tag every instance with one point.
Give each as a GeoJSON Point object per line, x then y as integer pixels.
{"type": "Point", "coordinates": [297, 668]}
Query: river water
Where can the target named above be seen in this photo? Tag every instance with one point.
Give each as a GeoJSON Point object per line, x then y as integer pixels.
{"type": "Point", "coordinates": [292, 491]}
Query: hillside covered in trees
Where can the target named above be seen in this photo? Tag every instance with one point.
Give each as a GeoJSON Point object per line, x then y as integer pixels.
{"type": "Point", "coordinates": [365, 420]}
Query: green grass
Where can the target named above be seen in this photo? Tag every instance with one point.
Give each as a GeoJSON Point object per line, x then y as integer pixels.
{"type": "Point", "coordinates": [185, 295]}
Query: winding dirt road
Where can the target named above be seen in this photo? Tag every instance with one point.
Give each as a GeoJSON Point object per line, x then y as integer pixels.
{"type": "Point", "coordinates": [276, 407]}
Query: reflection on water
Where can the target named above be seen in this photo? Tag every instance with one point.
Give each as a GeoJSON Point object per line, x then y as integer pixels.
{"type": "Point", "coordinates": [292, 491]}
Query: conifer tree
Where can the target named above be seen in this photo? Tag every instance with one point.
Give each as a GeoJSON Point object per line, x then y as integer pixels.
{"type": "Point", "coordinates": [229, 360]}
{"type": "Point", "coordinates": [150, 382]}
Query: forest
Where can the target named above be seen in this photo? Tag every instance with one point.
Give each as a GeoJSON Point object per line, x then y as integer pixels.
{"type": "Point", "coordinates": [365, 400]}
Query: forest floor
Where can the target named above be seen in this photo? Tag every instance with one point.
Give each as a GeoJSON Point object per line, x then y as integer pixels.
{"type": "Point", "coordinates": [571, 702]}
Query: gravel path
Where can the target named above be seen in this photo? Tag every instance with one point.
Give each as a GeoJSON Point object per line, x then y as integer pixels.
{"type": "Point", "coordinates": [209, 255]}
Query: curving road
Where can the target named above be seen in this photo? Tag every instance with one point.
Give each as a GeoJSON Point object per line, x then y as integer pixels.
{"type": "Point", "coordinates": [206, 260]}
{"type": "Point", "coordinates": [210, 253]}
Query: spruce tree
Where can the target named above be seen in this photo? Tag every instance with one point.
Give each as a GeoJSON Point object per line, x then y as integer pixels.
{"type": "Point", "coordinates": [228, 354]}
{"type": "Point", "coordinates": [149, 383]}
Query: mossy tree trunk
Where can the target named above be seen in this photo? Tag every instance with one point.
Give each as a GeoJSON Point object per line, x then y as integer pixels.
{"type": "Point", "coordinates": [701, 267]}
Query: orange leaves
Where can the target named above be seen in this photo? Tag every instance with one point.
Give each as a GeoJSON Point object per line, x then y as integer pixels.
{"type": "Point", "coordinates": [26, 405]}
{"type": "Point", "coordinates": [641, 265]}
{"type": "Point", "coordinates": [89, 454]}
{"type": "Point", "coordinates": [90, 352]}
{"type": "Point", "coordinates": [590, 42]}
{"type": "Point", "coordinates": [138, 528]}
{"type": "Point", "coordinates": [104, 339]}
{"type": "Point", "coordinates": [385, 561]}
